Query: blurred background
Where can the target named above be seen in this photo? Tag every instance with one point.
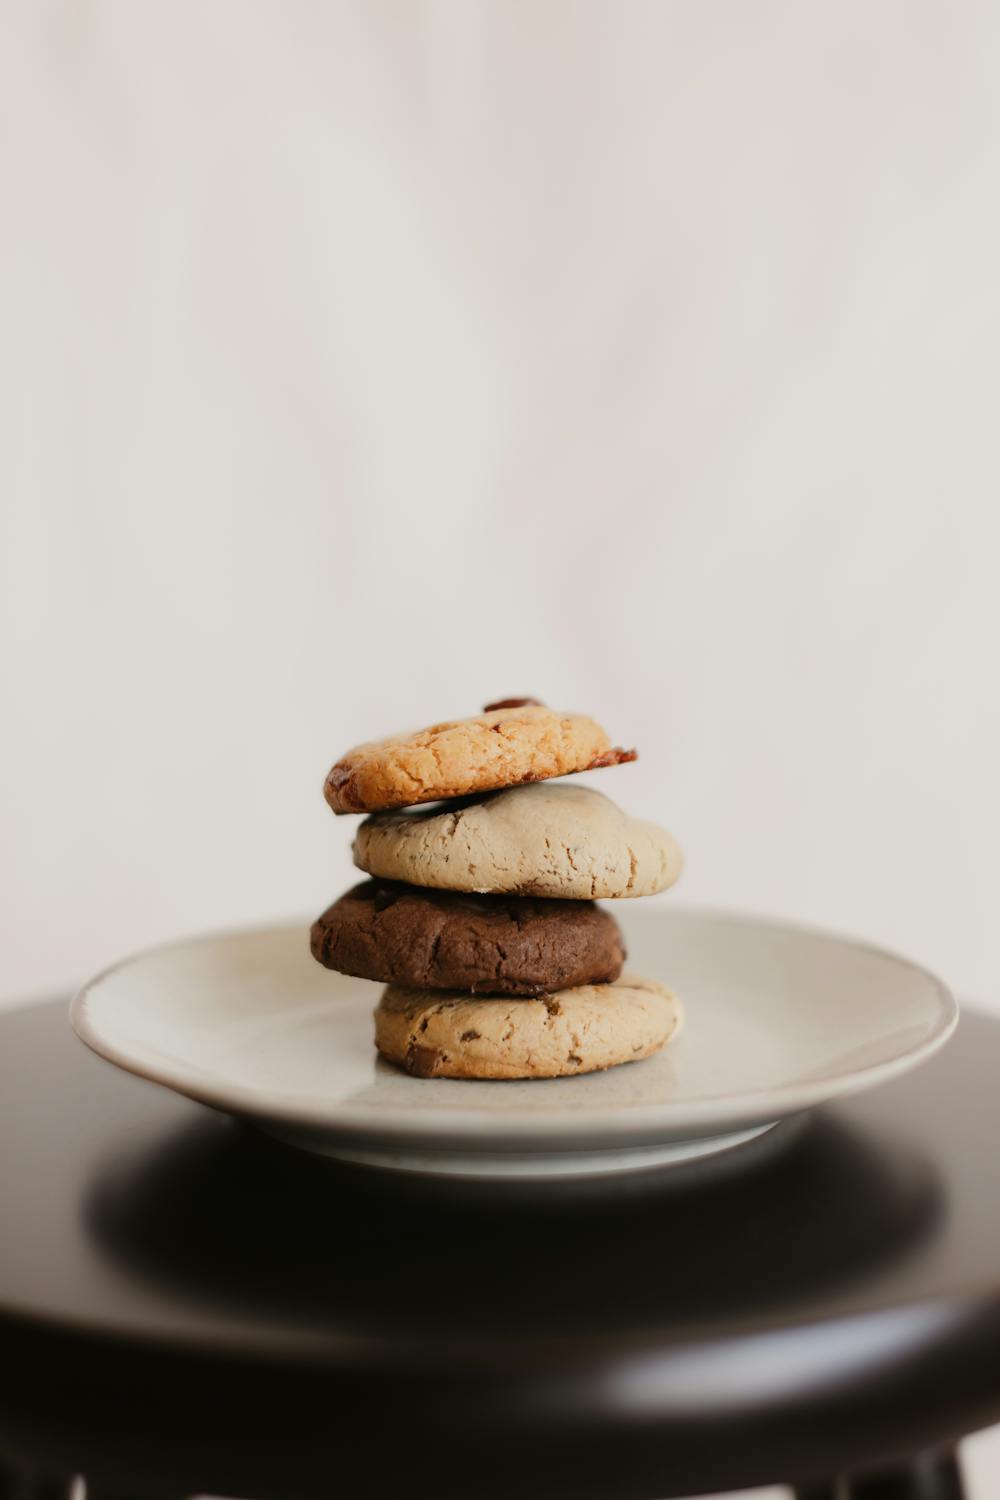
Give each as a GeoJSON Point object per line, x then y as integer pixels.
{"type": "Point", "coordinates": [364, 362]}
{"type": "Point", "coordinates": [361, 363]}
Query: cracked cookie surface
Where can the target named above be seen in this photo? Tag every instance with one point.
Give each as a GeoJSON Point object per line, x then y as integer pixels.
{"type": "Point", "coordinates": [488, 945]}
{"type": "Point", "coordinates": [558, 1035]}
{"type": "Point", "coordinates": [506, 747]}
{"type": "Point", "coordinates": [551, 841]}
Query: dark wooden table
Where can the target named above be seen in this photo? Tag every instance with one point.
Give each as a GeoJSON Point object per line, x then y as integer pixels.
{"type": "Point", "coordinates": [187, 1307]}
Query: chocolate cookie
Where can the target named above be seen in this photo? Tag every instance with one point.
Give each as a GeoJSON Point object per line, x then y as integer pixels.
{"type": "Point", "coordinates": [486, 945]}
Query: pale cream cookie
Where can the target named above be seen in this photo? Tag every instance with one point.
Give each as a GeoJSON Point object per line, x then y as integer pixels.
{"type": "Point", "coordinates": [515, 742]}
{"type": "Point", "coordinates": [572, 1031]}
{"type": "Point", "coordinates": [562, 841]}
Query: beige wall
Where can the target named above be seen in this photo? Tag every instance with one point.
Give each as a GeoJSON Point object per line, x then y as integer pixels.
{"type": "Point", "coordinates": [363, 362]}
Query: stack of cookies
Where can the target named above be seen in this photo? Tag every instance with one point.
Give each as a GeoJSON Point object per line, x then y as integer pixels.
{"type": "Point", "coordinates": [480, 914]}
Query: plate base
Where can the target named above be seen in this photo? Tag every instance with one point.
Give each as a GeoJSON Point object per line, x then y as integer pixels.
{"type": "Point", "coordinates": [521, 1166]}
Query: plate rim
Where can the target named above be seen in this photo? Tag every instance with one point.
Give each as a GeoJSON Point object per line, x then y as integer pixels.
{"type": "Point", "coordinates": [623, 1123]}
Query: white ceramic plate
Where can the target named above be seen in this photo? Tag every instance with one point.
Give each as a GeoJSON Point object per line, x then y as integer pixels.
{"type": "Point", "coordinates": [778, 1019]}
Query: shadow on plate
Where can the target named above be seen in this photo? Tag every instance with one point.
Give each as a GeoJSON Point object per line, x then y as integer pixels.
{"type": "Point", "coordinates": [263, 1232]}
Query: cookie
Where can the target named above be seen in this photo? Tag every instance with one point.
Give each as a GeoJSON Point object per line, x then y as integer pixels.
{"type": "Point", "coordinates": [488, 945]}
{"type": "Point", "coordinates": [517, 741]}
{"type": "Point", "coordinates": [553, 841]}
{"type": "Point", "coordinates": [573, 1031]}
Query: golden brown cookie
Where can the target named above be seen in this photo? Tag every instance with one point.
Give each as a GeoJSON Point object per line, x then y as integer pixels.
{"type": "Point", "coordinates": [461, 757]}
{"type": "Point", "coordinates": [435, 1035]}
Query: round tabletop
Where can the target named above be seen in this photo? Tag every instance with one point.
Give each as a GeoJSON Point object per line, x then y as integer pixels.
{"type": "Point", "coordinates": [181, 1297]}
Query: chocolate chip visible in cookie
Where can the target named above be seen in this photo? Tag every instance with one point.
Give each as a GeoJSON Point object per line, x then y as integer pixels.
{"type": "Point", "coordinates": [487, 945]}
{"type": "Point", "coordinates": [490, 708]}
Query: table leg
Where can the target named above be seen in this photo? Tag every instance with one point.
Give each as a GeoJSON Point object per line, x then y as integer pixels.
{"type": "Point", "coordinates": [934, 1476]}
